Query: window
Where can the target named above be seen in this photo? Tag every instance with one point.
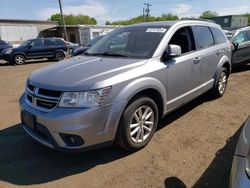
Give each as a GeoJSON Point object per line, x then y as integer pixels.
{"type": "Point", "coordinates": [60, 42]}
{"type": "Point", "coordinates": [37, 43]}
{"type": "Point", "coordinates": [218, 36]}
{"type": "Point", "coordinates": [49, 42]}
{"type": "Point", "coordinates": [241, 37]}
{"type": "Point", "coordinates": [203, 36]}
{"type": "Point", "coordinates": [185, 39]}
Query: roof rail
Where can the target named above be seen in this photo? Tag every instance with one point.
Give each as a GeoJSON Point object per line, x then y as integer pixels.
{"type": "Point", "coordinates": [198, 19]}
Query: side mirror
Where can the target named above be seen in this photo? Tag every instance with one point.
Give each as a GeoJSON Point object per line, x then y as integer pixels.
{"type": "Point", "coordinates": [172, 51]}
{"type": "Point", "coordinates": [29, 46]}
{"type": "Point", "coordinates": [236, 46]}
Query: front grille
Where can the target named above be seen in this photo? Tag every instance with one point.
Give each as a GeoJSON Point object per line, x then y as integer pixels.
{"type": "Point", "coordinates": [41, 98]}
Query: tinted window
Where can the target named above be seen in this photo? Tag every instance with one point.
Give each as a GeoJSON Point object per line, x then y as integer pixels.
{"type": "Point", "coordinates": [203, 36]}
{"type": "Point", "coordinates": [218, 36]}
{"type": "Point", "coordinates": [3, 42]}
{"type": "Point", "coordinates": [60, 42]}
{"type": "Point", "coordinates": [37, 43]}
{"type": "Point", "coordinates": [185, 39]}
{"type": "Point", "coordinates": [241, 37]}
{"type": "Point", "coordinates": [49, 42]}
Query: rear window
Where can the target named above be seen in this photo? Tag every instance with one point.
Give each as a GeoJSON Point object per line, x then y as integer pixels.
{"type": "Point", "coordinates": [219, 37]}
{"type": "Point", "coordinates": [203, 37]}
{"type": "Point", "coordinates": [49, 42]}
{"type": "Point", "coordinates": [60, 42]}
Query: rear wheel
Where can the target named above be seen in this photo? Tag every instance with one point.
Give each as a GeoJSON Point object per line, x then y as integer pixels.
{"type": "Point", "coordinates": [59, 56]}
{"type": "Point", "coordinates": [138, 124]}
{"type": "Point", "coordinates": [221, 85]}
{"type": "Point", "coordinates": [19, 59]}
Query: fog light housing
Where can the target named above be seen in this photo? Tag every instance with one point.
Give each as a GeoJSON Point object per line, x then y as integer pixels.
{"type": "Point", "coordinates": [72, 140]}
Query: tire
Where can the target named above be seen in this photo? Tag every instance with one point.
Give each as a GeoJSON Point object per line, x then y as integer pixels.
{"type": "Point", "coordinates": [140, 116]}
{"type": "Point", "coordinates": [221, 83]}
{"type": "Point", "coordinates": [19, 60]}
{"type": "Point", "coordinates": [59, 56]}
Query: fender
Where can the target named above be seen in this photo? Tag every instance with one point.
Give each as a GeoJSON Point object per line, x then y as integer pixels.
{"type": "Point", "coordinates": [127, 94]}
{"type": "Point", "coordinates": [139, 85]}
{"type": "Point", "coordinates": [222, 62]}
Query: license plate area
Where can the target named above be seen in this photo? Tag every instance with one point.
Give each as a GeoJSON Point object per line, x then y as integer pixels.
{"type": "Point", "coordinates": [28, 119]}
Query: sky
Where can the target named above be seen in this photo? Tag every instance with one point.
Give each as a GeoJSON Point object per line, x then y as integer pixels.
{"type": "Point", "coordinates": [112, 10]}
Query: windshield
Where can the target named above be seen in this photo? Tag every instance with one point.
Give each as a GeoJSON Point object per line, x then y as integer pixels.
{"type": "Point", "coordinates": [136, 42]}
{"type": "Point", "coordinates": [25, 43]}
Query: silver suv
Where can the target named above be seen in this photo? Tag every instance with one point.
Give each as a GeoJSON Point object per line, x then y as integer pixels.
{"type": "Point", "coordinates": [125, 83]}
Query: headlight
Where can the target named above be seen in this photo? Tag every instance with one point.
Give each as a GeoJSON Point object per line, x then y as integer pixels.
{"type": "Point", "coordinates": [7, 51]}
{"type": "Point", "coordinates": [84, 99]}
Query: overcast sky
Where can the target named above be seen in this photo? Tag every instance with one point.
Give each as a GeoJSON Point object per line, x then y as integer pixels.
{"type": "Point", "coordinates": [112, 10]}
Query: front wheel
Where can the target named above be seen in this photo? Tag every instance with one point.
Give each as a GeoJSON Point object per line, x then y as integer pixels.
{"type": "Point", "coordinates": [221, 85]}
{"type": "Point", "coordinates": [138, 124]}
{"type": "Point", "coordinates": [19, 59]}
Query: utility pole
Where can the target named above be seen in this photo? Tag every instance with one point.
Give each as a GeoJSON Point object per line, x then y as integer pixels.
{"type": "Point", "coordinates": [143, 14]}
{"type": "Point", "coordinates": [147, 10]}
{"type": "Point", "coordinates": [63, 21]}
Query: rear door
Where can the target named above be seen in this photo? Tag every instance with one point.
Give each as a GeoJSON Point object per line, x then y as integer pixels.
{"type": "Point", "coordinates": [49, 47]}
{"type": "Point", "coordinates": [242, 53]}
{"type": "Point", "coordinates": [209, 54]}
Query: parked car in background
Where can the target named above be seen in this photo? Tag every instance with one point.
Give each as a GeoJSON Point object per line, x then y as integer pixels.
{"type": "Point", "coordinates": [119, 89]}
{"type": "Point", "coordinates": [240, 172]}
{"type": "Point", "coordinates": [50, 48]}
{"type": "Point", "coordinates": [81, 49]}
{"type": "Point", "coordinates": [72, 46]}
{"type": "Point", "coordinates": [240, 40]}
{"type": "Point", "coordinates": [4, 45]}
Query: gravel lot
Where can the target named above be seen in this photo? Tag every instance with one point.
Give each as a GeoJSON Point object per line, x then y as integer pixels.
{"type": "Point", "coordinates": [193, 147]}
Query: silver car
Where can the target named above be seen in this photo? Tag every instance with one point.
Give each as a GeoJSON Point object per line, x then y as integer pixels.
{"type": "Point", "coordinates": [125, 83]}
{"type": "Point", "coordinates": [240, 172]}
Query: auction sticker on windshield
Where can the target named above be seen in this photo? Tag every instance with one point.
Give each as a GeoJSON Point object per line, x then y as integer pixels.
{"type": "Point", "coordinates": [156, 30]}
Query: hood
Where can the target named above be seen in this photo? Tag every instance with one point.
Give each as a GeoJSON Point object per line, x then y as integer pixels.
{"type": "Point", "coordinates": [81, 72]}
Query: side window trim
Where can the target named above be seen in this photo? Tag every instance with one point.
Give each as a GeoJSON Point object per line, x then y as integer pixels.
{"type": "Point", "coordinates": [192, 38]}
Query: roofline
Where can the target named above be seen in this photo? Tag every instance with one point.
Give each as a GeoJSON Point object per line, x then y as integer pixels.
{"type": "Point", "coordinates": [27, 21]}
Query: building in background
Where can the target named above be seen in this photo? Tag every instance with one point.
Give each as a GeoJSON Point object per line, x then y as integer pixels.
{"type": "Point", "coordinates": [16, 31]}
{"type": "Point", "coordinates": [231, 22]}
{"type": "Point", "coordinates": [80, 34]}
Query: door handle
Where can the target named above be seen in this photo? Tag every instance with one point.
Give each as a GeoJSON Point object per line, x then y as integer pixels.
{"type": "Point", "coordinates": [197, 60]}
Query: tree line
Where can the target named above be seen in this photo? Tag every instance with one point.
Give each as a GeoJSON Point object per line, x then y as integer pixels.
{"type": "Point", "coordinates": [84, 19]}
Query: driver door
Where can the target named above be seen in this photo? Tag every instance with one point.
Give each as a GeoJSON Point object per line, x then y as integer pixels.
{"type": "Point", "coordinates": [183, 72]}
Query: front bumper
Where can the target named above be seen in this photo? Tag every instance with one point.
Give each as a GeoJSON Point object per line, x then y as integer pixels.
{"type": "Point", "coordinates": [96, 126]}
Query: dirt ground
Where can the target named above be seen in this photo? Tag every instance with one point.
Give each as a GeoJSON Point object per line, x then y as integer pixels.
{"type": "Point", "coordinates": [193, 147]}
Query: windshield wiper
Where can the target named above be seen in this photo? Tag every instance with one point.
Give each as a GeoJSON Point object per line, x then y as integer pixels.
{"type": "Point", "coordinates": [107, 53]}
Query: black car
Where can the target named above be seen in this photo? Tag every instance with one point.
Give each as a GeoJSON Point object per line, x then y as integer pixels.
{"type": "Point", "coordinates": [240, 40]}
{"type": "Point", "coordinates": [50, 48]}
{"type": "Point", "coordinates": [80, 50]}
{"type": "Point", "coordinates": [4, 45]}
